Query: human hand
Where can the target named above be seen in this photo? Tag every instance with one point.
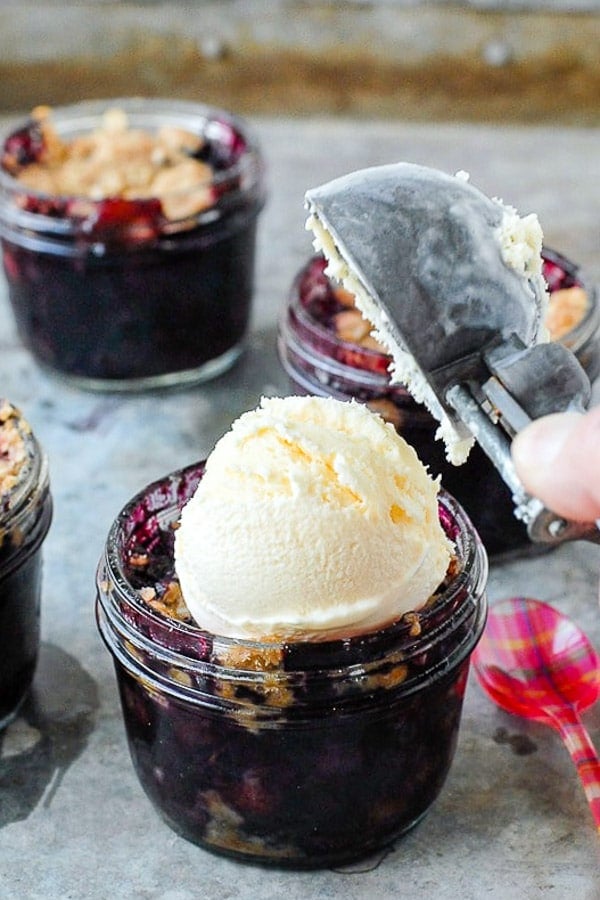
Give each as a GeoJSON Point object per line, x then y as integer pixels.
{"type": "Point", "coordinates": [557, 459]}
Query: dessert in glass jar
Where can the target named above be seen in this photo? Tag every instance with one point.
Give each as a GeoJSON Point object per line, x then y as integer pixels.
{"type": "Point", "coordinates": [25, 515]}
{"type": "Point", "coordinates": [128, 233]}
{"type": "Point", "coordinates": [326, 347]}
{"type": "Point", "coordinates": [286, 742]}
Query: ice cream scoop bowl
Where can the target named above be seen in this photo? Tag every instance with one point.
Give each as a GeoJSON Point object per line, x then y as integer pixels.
{"type": "Point", "coordinates": [429, 232]}
{"type": "Point", "coordinates": [536, 663]}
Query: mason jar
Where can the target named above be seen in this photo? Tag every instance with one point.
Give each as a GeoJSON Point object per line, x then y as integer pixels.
{"type": "Point", "coordinates": [25, 515]}
{"type": "Point", "coordinates": [302, 754]}
{"type": "Point", "coordinates": [582, 337]}
{"type": "Point", "coordinates": [120, 294]}
{"type": "Point", "coordinates": [320, 361]}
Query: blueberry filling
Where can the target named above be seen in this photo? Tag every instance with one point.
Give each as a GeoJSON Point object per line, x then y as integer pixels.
{"type": "Point", "coordinates": [25, 146]}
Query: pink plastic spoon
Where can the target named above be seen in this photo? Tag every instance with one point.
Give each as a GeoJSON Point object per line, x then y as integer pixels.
{"type": "Point", "coordinates": [534, 662]}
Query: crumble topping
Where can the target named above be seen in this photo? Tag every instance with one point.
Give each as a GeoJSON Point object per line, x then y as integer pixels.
{"type": "Point", "coordinates": [566, 309]}
{"type": "Point", "coordinates": [170, 603]}
{"type": "Point", "coordinates": [117, 161]}
{"type": "Point", "coordinates": [13, 452]}
{"type": "Point", "coordinates": [351, 326]}
{"type": "Point", "coordinates": [254, 658]}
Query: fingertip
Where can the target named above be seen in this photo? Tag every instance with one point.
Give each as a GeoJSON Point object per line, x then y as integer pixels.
{"type": "Point", "coordinates": [557, 459]}
{"type": "Point", "coordinates": [548, 460]}
{"type": "Point", "coordinates": [541, 444]}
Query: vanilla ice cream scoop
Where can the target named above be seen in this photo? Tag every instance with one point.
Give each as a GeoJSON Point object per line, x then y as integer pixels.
{"type": "Point", "coordinates": [314, 520]}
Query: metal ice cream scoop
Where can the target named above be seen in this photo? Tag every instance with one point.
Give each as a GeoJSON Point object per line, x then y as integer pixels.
{"type": "Point", "coordinates": [427, 251]}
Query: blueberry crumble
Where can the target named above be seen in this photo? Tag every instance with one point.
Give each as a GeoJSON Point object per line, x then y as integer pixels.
{"type": "Point", "coordinates": [25, 513]}
{"type": "Point", "coordinates": [296, 754]}
{"type": "Point", "coordinates": [128, 239]}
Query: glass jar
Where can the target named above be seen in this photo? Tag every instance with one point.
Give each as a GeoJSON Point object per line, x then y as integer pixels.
{"type": "Point", "coordinates": [300, 754]}
{"type": "Point", "coordinates": [319, 362]}
{"type": "Point", "coordinates": [111, 293]}
{"type": "Point", "coordinates": [583, 339]}
{"type": "Point", "coordinates": [25, 515]}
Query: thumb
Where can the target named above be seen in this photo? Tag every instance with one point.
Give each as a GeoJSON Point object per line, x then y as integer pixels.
{"type": "Point", "coordinates": [557, 458]}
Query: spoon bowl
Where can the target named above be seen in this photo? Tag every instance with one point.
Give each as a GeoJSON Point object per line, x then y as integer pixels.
{"type": "Point", "coordinates": [536, 663]}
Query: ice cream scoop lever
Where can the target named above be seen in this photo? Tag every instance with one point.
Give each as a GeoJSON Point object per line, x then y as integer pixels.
{"type": "Point", "coordinates": [523, 384]}
{"type": "Point", "coordinates": [452, 282]}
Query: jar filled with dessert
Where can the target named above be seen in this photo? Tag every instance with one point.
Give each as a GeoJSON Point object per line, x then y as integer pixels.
{"type": "Point", "coordinates": [292, 696]}
{"type": "Point", "coordinates": [327, 349]}
{"type": "Point", "coordinates": [128, 233]}
{"type": "Point", "coordinates": [25, 516]}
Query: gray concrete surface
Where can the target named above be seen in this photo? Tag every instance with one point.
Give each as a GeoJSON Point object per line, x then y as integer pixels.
{"type": "Point", "coordinates": [74, 822]}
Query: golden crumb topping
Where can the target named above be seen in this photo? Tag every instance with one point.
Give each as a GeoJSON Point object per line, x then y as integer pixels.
{"type": "Point", "coordinates": [117, 161]}
{"type": "Point", "coordinates": [13, 452]}
{"type": "Point", "coordinates": [566, 309]}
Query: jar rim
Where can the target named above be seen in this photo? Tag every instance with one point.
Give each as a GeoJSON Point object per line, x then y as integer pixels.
{"type": "Point", "coordinates": [296, 315]}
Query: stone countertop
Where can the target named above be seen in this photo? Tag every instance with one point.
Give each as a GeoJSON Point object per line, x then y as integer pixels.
{"type": "Point", "coordinates": [74, 822]}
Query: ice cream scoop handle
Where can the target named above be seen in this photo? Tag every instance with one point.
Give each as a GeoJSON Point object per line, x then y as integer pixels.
{"type": "Point", "coordinates": [546, 527]}
{"type": "Point", "coordinates": [543, 525]}
{"type": "Point", "coordinates": [584, 755]}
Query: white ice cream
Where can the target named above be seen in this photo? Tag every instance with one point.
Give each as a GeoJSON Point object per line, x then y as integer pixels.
{"type": "Point", "coordinates": [314, 520]}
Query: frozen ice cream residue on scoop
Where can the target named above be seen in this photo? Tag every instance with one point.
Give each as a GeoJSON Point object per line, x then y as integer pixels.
{"type": "Point", "coordinates": [521, 240]}
{"type": "Point", "coordinates": [314, 520]}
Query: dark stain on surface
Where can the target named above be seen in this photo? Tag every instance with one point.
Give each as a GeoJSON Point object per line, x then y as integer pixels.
{"type": "Point", "coordinates": [520, 744]}
{"type": "Point", "coordinates": [95, 418]}
{"type": "Point", "coordinates": [50, 733]}
{"type": "Point", "coordinates": [369, 864]}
